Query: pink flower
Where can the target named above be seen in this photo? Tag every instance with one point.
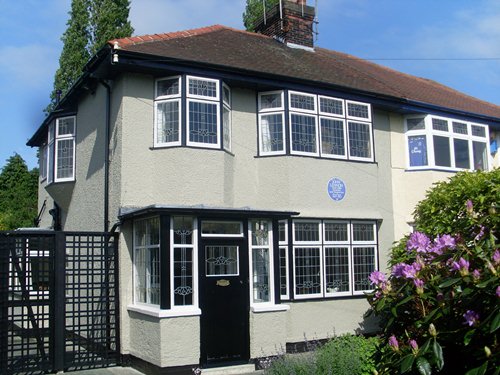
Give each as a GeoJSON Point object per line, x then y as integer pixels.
{"type": "Point", "coordinates": [476, 274]}
{"type": "Point", "coordinates": [498, 291]}
{"type": "Point", "coordinates": [480, 234]}
{"type": "Point", "coordinates": [443, 242]}
{"type": "Point", "coordinates": [408, 271]}
{"type": "Point", "coordinates": [470, 206]}
{"type": "Point", "coordinates": [413, 345]}
{"type": "Point", "coordinates": [496, 257]}
{"type": "Point", "coordinates": [462, 265]}
{"type": "Point", "coordinates": [419, 284]}
{"type": "Point", "coordinates": [393, 343]}
{"type": "Point", "coordinates": [471, 317]}
{"type": "Point", "coordinates": [418, 241]}
{"type": "Point", "coordinates": [377, 278]}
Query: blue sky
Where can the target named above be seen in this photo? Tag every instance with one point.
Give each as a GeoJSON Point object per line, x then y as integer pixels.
{"type": "Point", "coordinates": [455, 42]}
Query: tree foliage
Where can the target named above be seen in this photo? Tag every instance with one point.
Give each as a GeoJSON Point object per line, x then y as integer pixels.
{"type": "Point", "coordinates": [18, 194]}
{"type": "Point", "coordinates": [91, 24]}
{"type": "Point", "coordinates": [254, 12]}
{"type": "Point", "coordinates": [442, 297]}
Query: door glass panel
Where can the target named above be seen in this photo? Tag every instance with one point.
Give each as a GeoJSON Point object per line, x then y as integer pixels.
{"type": "Point", "coordinates": [221, 260]}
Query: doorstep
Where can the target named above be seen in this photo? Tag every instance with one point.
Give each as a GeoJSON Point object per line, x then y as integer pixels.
{"type": "Point", "coordinates": [231, 370]}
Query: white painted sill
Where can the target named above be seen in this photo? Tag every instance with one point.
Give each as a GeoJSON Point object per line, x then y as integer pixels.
{"type": "Point", "coordinates": [157, 313]}
{"type": "Point", "coordinates": [269, 308]}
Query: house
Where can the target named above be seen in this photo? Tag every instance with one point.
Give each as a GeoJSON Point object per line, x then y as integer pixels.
{"type": "Point", "coordinates": [256, 181]}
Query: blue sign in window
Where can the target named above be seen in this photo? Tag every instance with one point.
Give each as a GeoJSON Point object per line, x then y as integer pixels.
{"type": "Point", "coordinates": [336, 189]}
{"type": "Point", "coordinates": [417, 146]}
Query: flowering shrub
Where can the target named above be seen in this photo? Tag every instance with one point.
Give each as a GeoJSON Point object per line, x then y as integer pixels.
{"type": "Point", "coordinates": [440, 305]}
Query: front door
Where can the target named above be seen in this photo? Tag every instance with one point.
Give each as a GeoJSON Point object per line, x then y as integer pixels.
{"type": "Point", "coordinates": [224, 300]}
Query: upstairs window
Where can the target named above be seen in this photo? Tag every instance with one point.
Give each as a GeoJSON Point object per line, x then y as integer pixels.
{"type": "Point", "coordinates": [57, 156]}
{"type": "Point", "coordinates": [317, 125]}
{"type": "Point", "coordinates": [196, 123]}
{"type": "Point", "coordinates": [444, 143]}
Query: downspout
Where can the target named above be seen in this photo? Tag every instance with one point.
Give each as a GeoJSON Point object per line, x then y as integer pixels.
{"type": "Point", "coordinates": [106, 154]}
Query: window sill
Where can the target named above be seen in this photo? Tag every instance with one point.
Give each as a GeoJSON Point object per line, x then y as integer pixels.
{"type": "Point", "coordinates": [157, 313]}
{"type": "Point", "coordinates": [269, 308]}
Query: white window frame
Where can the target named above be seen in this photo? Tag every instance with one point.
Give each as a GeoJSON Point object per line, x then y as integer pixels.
{"type": "Point", "coordinates": [270, 249]}
{"type": "Point", "coordinates": [136, 274]}
{"type": "Point", "coordinates": [227, 105]}
{"type": "Point", "coordinates": [370, 133]}
{"type": "Point", "coordinates": [261, 140]}
{"type": "Point", "coordinates": [361, 119]}
{"type": "Point", "coordinates": [309, 111]}
{"type": "Point", "coordinates": [305, 114]}
{"type": "Point", "coordinates": [274, 109]}
{"type": "Point", "coordinates": [429, 134]}
{"type": "Point", "coordinates": [203, 97]}
{"type": "Point", "coordinates": [194, 246]}
{"type": "Point", "coordinates": [164, 99]}
{"type": "Point", "coordinates": [44, 149]}
{"type": "Point", "coordinates": [217, 125]}
{"type": "Point", "coordinates": [64, 137]}
{"type": "Point", "coordinates": [284, 245]}
{"type": "Point", "coordinates": [360, 244]}
{"type": "Point", "coordinates": [342, 116]}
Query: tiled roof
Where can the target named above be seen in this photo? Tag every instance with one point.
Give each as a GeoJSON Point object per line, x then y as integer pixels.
{"type": "Point", "coordinates": [257, 54]}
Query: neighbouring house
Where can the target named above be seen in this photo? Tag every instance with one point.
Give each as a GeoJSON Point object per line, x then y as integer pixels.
{"type": "Point", "coordinates": [256, 181]}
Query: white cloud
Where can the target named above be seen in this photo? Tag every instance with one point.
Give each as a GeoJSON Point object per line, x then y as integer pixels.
{"type": "Point", "coordinates": [159, 16]}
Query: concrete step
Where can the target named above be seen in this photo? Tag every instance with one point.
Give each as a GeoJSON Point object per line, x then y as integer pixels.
{"type": "Point", "coordinates": [230, 370]}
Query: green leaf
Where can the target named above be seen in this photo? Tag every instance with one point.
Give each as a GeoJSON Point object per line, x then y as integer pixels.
{"type": "Point", "coordinates": [495, 323]}
{"type": "Point", "coordinates": [423, 366]}
{"type": "Point", "coordinates": [438, 354]}
{"type": "Point", "coordinates": [403, 301]}
{"type": "Point", "coordinates": [468, 336]}
{"type": "Point", "coordinates": [449, 282]}
{"type": "Point", "coordinates": [407, 363]}
{"type": "Point", "coordinates": [481, 370]}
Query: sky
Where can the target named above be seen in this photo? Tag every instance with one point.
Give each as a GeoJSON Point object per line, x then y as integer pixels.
{"type": "Point", "coordinates": [454, 42]}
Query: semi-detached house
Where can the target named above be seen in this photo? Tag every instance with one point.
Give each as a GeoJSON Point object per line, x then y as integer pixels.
{"type": "Point", "coordinates": [256, 181]}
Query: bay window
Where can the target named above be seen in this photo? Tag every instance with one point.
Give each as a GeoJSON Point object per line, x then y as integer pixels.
{"type": "Point", "coordinates": [445, 143]}
{"type": "Point", "coordinates": [194, 114]}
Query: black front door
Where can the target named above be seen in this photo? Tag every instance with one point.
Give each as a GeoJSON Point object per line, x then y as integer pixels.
{"type": "Point", "coordinates": [224, 300]}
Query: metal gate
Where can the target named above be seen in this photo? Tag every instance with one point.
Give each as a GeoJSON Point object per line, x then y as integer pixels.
{"type": "Point", "coordinates": [58, 301]}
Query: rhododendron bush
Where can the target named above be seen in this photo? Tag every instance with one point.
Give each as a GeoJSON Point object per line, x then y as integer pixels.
{"type": "Point", "coordinates": [439, 304]}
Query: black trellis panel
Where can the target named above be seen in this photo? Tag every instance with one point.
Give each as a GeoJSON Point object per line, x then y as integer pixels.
{"type": "Point", "coordinates": [58, 301]}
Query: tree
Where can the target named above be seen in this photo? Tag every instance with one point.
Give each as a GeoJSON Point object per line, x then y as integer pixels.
{"type": "Point", "coordinates": [18, 194]}
{"type": "Point", "coordinates": [108, 20]}
{"type": "Point", "coordinates": [91, 24]}
{"type": "Point", "coordinates": [254, 12]}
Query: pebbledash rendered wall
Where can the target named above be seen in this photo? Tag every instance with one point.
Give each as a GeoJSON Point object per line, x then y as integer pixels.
{"type": "Point", "coordinates": [189, 176]}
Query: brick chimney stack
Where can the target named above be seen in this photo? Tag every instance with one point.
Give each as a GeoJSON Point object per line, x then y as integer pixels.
{"type": "Point", "coordinates": [296, 26]}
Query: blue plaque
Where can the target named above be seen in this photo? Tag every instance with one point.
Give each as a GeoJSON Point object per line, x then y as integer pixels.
{"type": "Point", "coordinates": [336, 189]}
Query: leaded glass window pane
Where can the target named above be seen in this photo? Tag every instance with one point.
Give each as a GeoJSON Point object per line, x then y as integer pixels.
{"type": "Point", "coordinates": [358, 110]}
{"type": "Point", "coordinates": [415, 123]}
{"type": "Point", "coordinates": [221, 260]}
{"type": "Point", "coordinates": [283, 271]}
{"type": "Point", "coordinates": [261, 277]}
{"type": "Point", "coordinates": [442, 156]}
{"type": "Point", "coordinates": [271, 101]}
{"type": "Point", "coordinates": [302, 102]}
{"type": "Point", "coordinates": [202, 87]}
{"type": "Point", "coordinates": [226, 128]}
{"type": "Point", "coordinates": [337, 269]}
{"type": "Point", "coordinates": [480, 156]}
{"type": "Point", "coordinates": [331, 106]}
{"type": "Point", "coordinates": [272, 134]}
{"type": "Point", "coordinates": [307, 270]}
{"type": "Point", "coordinates": [64, 158]}
{"type": "Point", "coordinates": [439, 124]}
{"type": "Point", "coordinates": [303, 133]}
{"type": "Point", "coordinates": [282, 231]}
{"type": "Point", "coordinates": [168, 121]}
{"type": "Point", "coordinates": [203, 122]}
{"type": "Point", "coordinates": [183, 230]}
{"type": "Point", "coordinates": [226, 95]}
{"type": "Point", "coordinates": [332, 136]}
{"type": "Point", "coordinates": [459, 128]}
{"type": "Point", "coordinates": [43, 162]}
{"type": "Point", "coordinates": [478, 131]}
{"type": "Point", "coordinates": [461, 148]}
{"type": "Point", "coordinates": [66, 126]}
{"type": "Point", "coordinates": [359, 140]}
{"type": "Point", "coordinates": [363, 232]}
{"type": "Point", "coordinates": [363, 266]}
{"type": "Point", "coordinates": [260, 233]}
{"type": "Point", "coordinates": [306, 231]}
{"type": "Point", "coordinates": [167, 87]}
{"type": "Point", "coordinates": [183, 276]}
{"type": "Point", "coordinates": [221, 228]}
{"type": "Point", "coordinates": [336, 232]}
